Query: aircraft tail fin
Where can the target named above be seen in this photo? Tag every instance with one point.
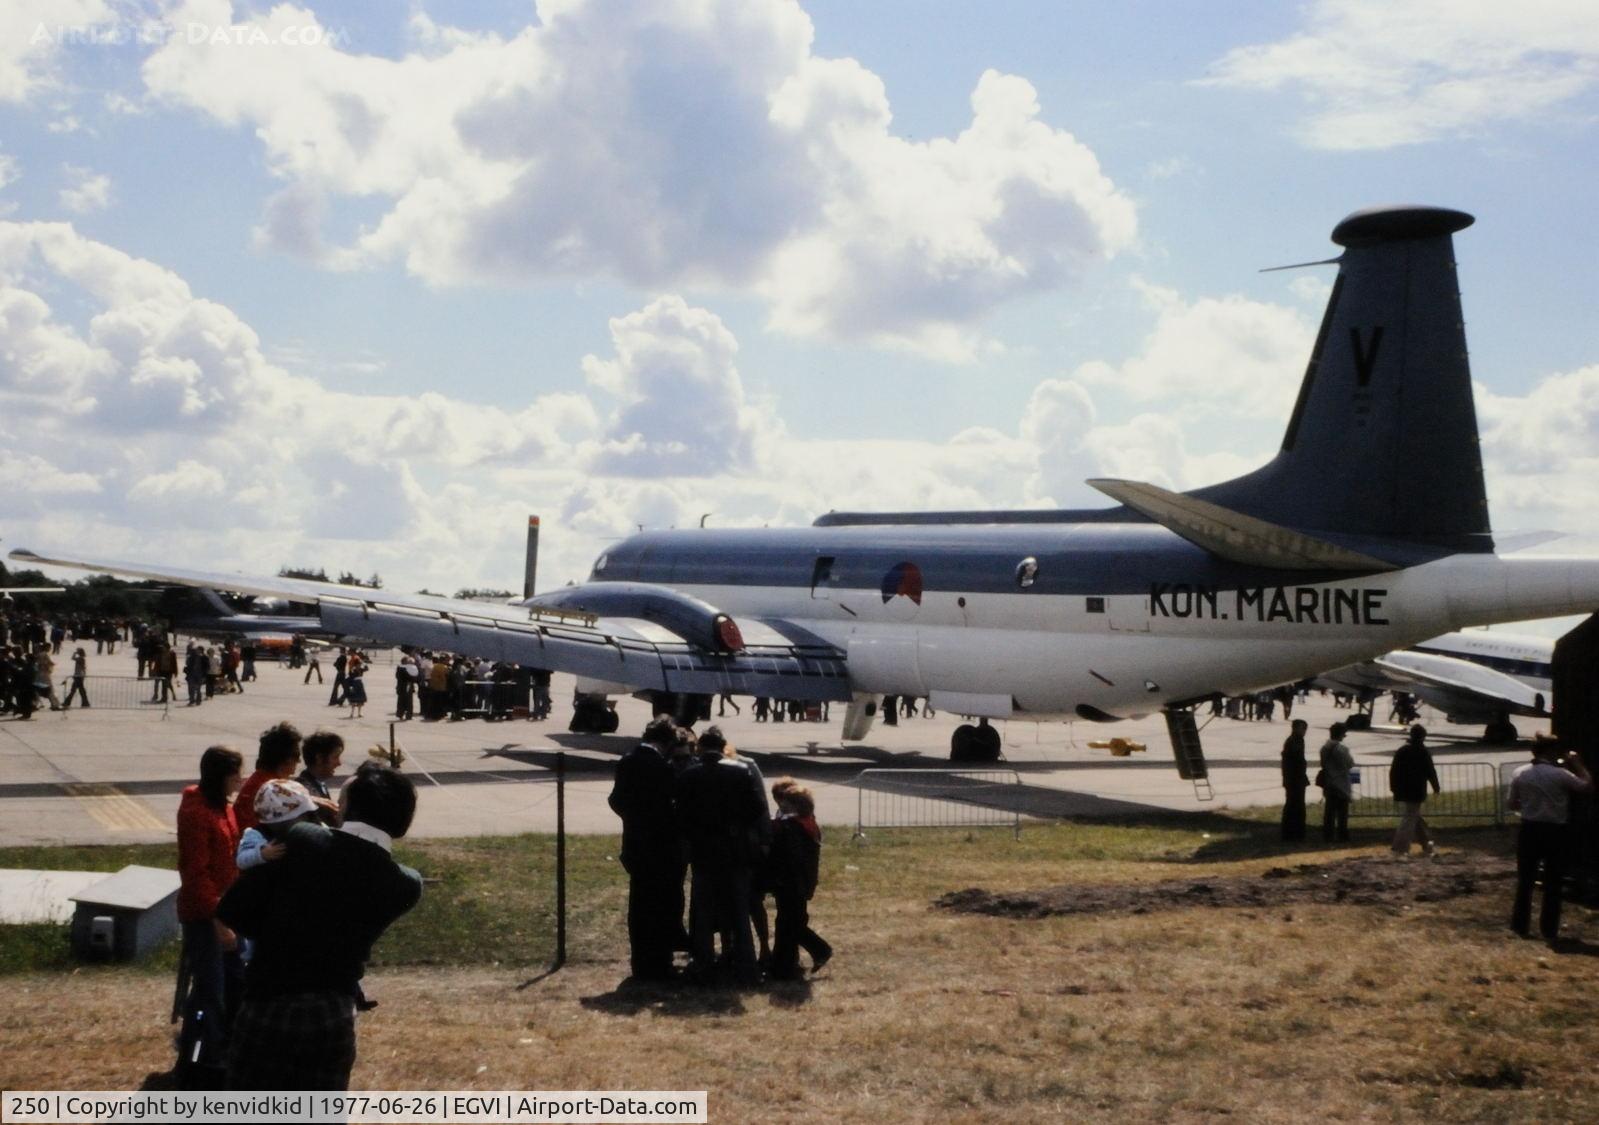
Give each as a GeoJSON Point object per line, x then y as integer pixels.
{"type": "Point", "coordinates": [214, 603]}
{"type": "Point", "coordinates": [1383, 438]}
{"type": "Point", "coordinates": [530, 560]}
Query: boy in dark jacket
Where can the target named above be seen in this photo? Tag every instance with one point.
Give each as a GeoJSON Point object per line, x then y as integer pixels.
{"type": "Point", "coordinates": [792, 873]}
{"type": "Point", "coordinates": [1412, 771]}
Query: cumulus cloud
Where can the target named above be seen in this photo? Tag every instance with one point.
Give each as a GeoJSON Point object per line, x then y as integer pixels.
{"type": "Point", "coordinates": [164, 403]}
{"type": "Point", "coordinates": [1382, 73]}
{"type": "Point", "coordinates": [1242, 355]}
{"type": "Point", "coordinates": [85, 190]}
{"type": "Point", "coordinates": [922, 238]}
{"type": "Point", "coordinates": [1059, 416]}
{"type": "Point", "coordinates": [187, 482]}
{"type": "Point", "coordinates": [1541, 451]}
{"type": "Point", "coordinates": [292, 221]}
{"type": "Point", "coordinates": [32, 35]}
{"type": "Point", "coordinates": [31, 475]}
{"type": "Point", "coordinates": [685, 143]}
{"type": "Point", "coordinates": [682, 409]}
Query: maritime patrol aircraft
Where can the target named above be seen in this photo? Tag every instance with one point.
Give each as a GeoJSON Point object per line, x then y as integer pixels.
{"type": "Point", "coordinates": [1366, 533]}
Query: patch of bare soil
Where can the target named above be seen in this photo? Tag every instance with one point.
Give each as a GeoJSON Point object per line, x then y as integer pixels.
{"type": "Point", "coordinates": [1360, 880]}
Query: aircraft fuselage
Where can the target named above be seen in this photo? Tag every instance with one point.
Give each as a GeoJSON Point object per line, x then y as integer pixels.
{"type": "Point", "coordinates": [1060, 621]}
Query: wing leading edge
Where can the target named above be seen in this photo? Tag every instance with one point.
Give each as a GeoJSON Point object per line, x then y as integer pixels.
{"type": "Point", "coordinates": [778, 658]}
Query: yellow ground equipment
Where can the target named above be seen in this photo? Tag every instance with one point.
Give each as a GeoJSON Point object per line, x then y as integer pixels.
{"type": "Point", "coordinates": [1118, 747]}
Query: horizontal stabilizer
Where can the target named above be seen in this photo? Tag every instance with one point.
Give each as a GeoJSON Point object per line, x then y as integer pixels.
{"type": "Point", "coordinates": [1525, 541]}
{"type": "Point", "coordinates": [1233, 535]}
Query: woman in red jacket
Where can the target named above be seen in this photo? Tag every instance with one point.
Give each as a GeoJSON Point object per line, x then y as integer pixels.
{"type": "Point", "coordinates": [208, 837]}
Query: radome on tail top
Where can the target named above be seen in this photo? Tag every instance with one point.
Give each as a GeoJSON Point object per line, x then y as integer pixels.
{"type": "Point", "coordinates": [1368, 532]}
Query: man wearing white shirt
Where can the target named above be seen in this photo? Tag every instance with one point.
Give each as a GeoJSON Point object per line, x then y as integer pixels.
{"type": "Point", "coordinates": [1541, 792]}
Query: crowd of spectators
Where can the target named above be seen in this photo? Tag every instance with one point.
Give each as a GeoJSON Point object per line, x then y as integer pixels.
{"type": "Point", "coordinates": [31, 657]}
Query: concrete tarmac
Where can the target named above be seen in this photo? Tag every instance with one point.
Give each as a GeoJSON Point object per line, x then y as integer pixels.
{"type": "Point", "coordinates": [114, 776]}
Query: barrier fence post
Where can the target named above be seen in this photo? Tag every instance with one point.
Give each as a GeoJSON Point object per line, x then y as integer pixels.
{"type": "Point", "coordinates": [560, 858]}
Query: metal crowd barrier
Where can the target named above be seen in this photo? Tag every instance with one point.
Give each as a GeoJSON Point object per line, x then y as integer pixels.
{"type": "Point", "coordinates": [489, 697]}
{"type": "Point", "coordinates": [120, 693]}
{"type": "Point", "coordinates": [1506, 771]}
{"type": "Point", "coordinates": [1468, 789]}
{"type": "Point", "coordinates": [888, 798]}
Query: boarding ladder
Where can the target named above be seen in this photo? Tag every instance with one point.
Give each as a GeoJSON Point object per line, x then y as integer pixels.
{"type": "Point", "coordinates": [1189, 753]}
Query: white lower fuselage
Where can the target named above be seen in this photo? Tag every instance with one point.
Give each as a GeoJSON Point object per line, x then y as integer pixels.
{"type": "Point", "coordinates": [1050, 656]}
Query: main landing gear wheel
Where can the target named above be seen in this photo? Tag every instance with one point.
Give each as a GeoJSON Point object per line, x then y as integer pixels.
{"type": "Point", "coordinates": [1500, 732]}
{"type": "Point", "coordinates": [970, 743]}
{"type": "Point", "coordinates": [591, 716]}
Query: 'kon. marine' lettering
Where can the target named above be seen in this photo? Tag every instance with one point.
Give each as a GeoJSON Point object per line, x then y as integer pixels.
{"type": "Point", "coordinates": [1302, 605]}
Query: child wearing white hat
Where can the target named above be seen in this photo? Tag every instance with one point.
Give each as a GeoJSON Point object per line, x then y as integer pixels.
{"type": "Point", "coordinates": [278, 805]}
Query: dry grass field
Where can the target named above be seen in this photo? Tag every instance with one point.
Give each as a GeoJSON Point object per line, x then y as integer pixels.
{"type": "Point", "coordinates": [1401, 1003]}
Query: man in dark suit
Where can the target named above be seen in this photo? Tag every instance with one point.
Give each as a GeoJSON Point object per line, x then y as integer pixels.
{"type": "Point", "coordinates": [722, 808]}
{"type": "Point", "coordinates": [340, 662]}
{"type": "Point", "coordinates": [314, 915]}
{"type": "Point", "coordinates": [1296, 780]}
{"type": "Point", "coordinates": [643, 797]}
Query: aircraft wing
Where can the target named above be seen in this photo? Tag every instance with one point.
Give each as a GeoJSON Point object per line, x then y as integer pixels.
{"type": "Point", "coordinates": [1452, 685]}
{"type": "Point", "coordinates": [767, 657]}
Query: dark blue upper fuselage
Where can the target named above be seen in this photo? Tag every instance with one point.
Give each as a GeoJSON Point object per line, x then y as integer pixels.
{"type": "Point", "coordinates": [1072, 559]}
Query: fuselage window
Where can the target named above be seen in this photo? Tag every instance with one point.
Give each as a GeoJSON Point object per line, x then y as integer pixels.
{"type": "Point", "coordinates": [1026, 572]}
{"type": "Point", "coordinates": [1095, 605]}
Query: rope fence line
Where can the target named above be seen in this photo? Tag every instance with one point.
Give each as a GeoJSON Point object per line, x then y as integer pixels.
{"type": "Point", "coordinates": [890, 798]}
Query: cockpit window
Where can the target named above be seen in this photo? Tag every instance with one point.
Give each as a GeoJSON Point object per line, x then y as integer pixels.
{"type": "Point", "coordinates": [1026, 572]}
{"type": "Point", "coordinates": [599, 563]}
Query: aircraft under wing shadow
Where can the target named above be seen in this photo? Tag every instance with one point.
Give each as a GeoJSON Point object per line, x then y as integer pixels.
{"type": "Point", "coordinates": [778, 658]}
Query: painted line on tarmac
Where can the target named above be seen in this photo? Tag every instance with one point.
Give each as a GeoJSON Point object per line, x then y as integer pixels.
{"type": "Point", "coordinates": [113, 809]}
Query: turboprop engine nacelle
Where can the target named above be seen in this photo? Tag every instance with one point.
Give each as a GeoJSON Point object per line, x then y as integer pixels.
{"type": "Point", "coordinates": [697, 622]}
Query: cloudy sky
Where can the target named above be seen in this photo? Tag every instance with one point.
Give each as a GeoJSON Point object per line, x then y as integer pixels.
{"type": "Point", "coordinates": [361, 286]}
